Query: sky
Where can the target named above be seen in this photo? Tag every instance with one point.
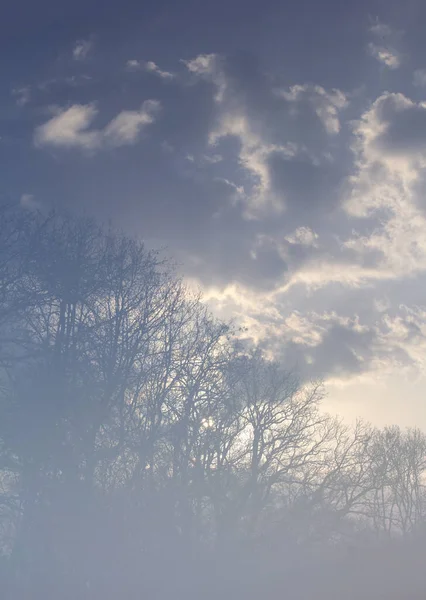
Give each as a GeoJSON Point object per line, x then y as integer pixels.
{"type": "Point", "coordinates": [276, 150]}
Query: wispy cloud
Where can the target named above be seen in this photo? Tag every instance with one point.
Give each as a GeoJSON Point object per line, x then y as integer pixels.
{"type": "Point", "coordinates": [386, 56]}
{"type": "Point", "coordinates": [209, 67]}
{"type": "Point", "coordinates": [127, 125]}
{"type": "Point", "coordinates": [381, 30]}
{"type": "Point", "coordinates": [70, 128]}
{"type": "Point", "coordinates": [203, 64]}
{"type": "Point", "coordinates": [22, 94]}
{"type": "Point", "coordinates": [383, 48]}
{"type": "Point", "coordinates": [150, 67]}
{"type": "Point", "coordinates": [82, 48]}
{"type": "Point", "coordinates": [327, 104]}
{"type": "Point", "coordinates": [304, 236]}
{"type": "Point", "coordinates": [259, 150]}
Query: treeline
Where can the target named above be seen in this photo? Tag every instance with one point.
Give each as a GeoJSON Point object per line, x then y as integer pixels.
{"type": "Point", "coordinates": [146, 450]}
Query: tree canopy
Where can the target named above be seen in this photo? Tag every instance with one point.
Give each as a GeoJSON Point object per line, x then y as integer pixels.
{"type": "Point", "coordinates": [145, 451]}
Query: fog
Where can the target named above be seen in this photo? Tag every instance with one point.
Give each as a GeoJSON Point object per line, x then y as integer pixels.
{"type": "Point", "coordinates": [147, 450]}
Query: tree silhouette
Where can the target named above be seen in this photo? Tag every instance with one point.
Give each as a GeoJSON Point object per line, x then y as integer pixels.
{"type": "Point", "coordinates": [144, 451]}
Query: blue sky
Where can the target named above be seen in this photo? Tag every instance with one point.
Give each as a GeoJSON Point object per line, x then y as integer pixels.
{"type": "Point", "coordinates": [276, 149]}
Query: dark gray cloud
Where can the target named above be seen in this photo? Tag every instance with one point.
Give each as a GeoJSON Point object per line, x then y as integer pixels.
{"type": "Point", "coordinates": [281, 180]}
{"type": "Point", "coordinates": [309, 190]}
{"type": "Point", "coordinates": [342, 352]}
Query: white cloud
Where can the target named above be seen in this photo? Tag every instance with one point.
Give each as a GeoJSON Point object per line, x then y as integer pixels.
{"type": "Point", "coordinates": [126, 126]}
{"type": "Point", "coordinates": [387, 56]}
{"type": "Point", "coordinates": [383, 48]}
{"type": "Point", "coordinates": [390, 149]}
{"type": "Point", "coordinates": [133, 64]}
{"type": "Point", "coordinates": [255, 152]}
{"type": "Point", "coordinates": [326, 105]}
{"type": "Point", "coordinates": [343, 347]}
{"type": "Point", "coordinates": [390, 156]}
{"type": "Point", "coordinates": [237, 196]}
{"type": "Point", "coordinates": [320, 272]}
{"type": "Point", "coordinates": [204, 64]}
{"type": "Point", "coordinates": [70, 128]}
{"type": "Point", "coordinates": [150, 67]}
{"type": "Point", "coordinates": [406, 331]}
{"type": "Point", "coordinates": [391, 142]}
{"type": "Point", "coordinates": [81, 49]}
{"type": "Point", "coordinates": [256, 149]}
{"type": "Point", "coordinates": [253, 157]}
{"type": "Point", "coordinates": [209, 67]}
{"type": "Point", "coordinates": [400, 243]}
{"type": "Point", "coordinates": [245, 305]}
{"type": "Point", "coordinates": [304, 236]}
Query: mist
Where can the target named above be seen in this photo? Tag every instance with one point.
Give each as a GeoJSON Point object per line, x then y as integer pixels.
{"type": "Point", "coordinates": [147, 450]}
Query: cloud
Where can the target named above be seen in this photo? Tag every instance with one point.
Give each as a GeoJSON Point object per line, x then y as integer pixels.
{"type": "Point", "coordinates": [81, 49]}
{"type": "Point", "coordinates": [246, 109]}
{"type": "Point", "coordinates": [391, 140]}
{"type": "Point", "coordinates": [212, 159]}
{"type": "Point", "coordinates": [321, 271]}
{"type": "Point", "coordinates": [133, 65]}
{"type": "Point", "coordinates": [339, 347]}
{"type": "Point", "coordinates": [390, 150]}
{"type": "Point", "coordinates": [381, 30]}
{"type": "Point", "coordinates": [326, 105]}
{"type": "Point", "coordinates": [317, 344]}
{"type": "Point", "coordinates": [304, 236]}
{"type": "Point", "coordinates": [406, 331]}
{"type": "Point", "coordinates": [210, 68]}
{"type": "Point", "coordinates": [254, 171]}
{"type": "Point", "coordinates": [203, 64]}
{"type": "Point", "coordinates": [386, 56]}
{"type": "Point", "coordinates": [253, 155]}
{"type": "Point", "coordinates": [150, 67]}
{"type": "Point", "coordinates": [300, 181]}
{"type": "Point", "coordinates": [126, 126]}
{"type": "Point", "coordinates": [70, 128]}
{"type": "Point", "coordinates": [383, 48]}
{"type": "Point", "coordinates": [365, 240]}
{"type": "Point", "coordinates": [329, 345]}
{"type": "Point", "coordinates": [22, 94]}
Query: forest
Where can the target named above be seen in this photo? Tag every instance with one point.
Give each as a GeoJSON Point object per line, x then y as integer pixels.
{"type": "Point", "coordinates": [149, 450]}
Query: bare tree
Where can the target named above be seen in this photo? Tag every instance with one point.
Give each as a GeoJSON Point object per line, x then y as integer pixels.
{"type": "Point", "coordinates": [136, 432]}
